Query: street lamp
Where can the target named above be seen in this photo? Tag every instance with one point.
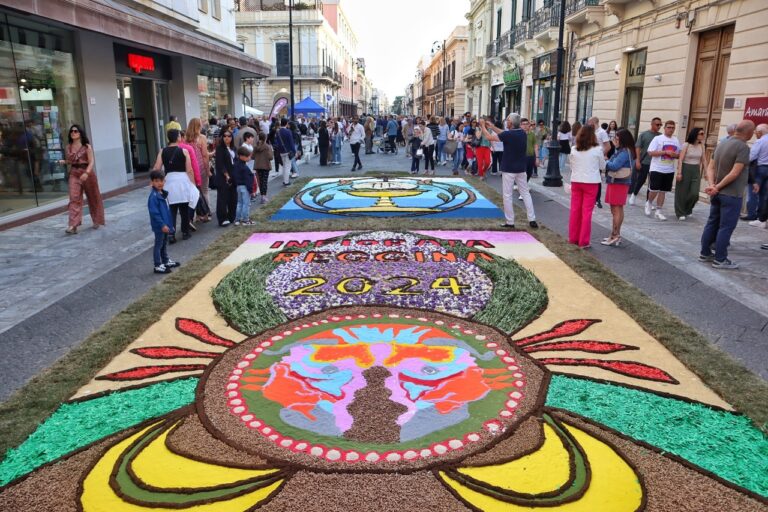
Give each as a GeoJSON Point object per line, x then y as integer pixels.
{"type": "Point", "coordinates": [354, 107]}
{"type": "Point", "coordinates": [553, 178]}
{"type": "Point", "coordinates": [289, 3]}
{"type": "Point", "coordinates": [419, 76]}
{"type": "Point", "coordinates": [436, 44]}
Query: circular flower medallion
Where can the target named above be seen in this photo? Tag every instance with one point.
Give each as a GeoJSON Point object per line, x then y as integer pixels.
{"type": "Point", "coordinates": [367, 388]}
{"type": "Point", "coordinates": [399, 269]}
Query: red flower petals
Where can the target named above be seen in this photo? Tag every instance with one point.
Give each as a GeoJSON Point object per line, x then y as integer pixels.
{"type": "Point", "coordinates": [628, 368]}
{"type": "Point", "coordinates": [567, 328]}
{"type": "Point", "coordinates": [146, 372]}
{"type": "Point", "coordinates": [172, 353]}
{"type": "Point", "coordinates": [595, 347]}
{"type": "Point", "coordinates": [200, 331]}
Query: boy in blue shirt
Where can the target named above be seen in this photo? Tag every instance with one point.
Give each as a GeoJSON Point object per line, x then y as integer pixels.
{"type": "Point", "coordinates": [161, 222]}
{"type": "Point", "coordinates": [243, 178]}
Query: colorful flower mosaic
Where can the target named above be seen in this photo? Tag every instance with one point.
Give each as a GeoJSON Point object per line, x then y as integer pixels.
{"type": "Point", "coordinates": [386, 406]}
{"type": "Point", "coordinates": [387, 197]}
{"type": "Point", "coordinates": [381, 268]}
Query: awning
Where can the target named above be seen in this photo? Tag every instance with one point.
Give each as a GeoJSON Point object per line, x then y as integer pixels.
{"type": "Point", "coordinates": [118, 20]}
{"type": "Point", "coordinates": [308, 106]}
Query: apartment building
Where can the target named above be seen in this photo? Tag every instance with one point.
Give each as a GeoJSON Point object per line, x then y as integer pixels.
{"type": "Point", "coordinates": [325, 64]}
{"type": "Point", "coordinates": [444, 94]}
{"type": "Point", "coordinates": [119, 68]}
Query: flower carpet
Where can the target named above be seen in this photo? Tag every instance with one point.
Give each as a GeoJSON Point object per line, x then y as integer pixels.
{"type": "Point", "coordinates": [388, 370]}
{"type": "Point", "coordinates": [329, 198]}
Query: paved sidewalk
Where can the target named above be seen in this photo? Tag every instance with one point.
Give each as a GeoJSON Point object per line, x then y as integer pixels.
{"type": "Point", "coordinates": [57, 289]}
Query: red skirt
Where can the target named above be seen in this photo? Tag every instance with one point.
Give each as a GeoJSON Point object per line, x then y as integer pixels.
{"type": "Point", "coordinates": [616, 194]}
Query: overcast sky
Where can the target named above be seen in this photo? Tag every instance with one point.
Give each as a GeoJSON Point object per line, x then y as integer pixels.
{"type": "Point", "coordinates": [392, 35]}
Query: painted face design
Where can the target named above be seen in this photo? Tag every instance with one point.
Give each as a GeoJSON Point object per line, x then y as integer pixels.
{"type": "Point", "coordinates": [414, 380]}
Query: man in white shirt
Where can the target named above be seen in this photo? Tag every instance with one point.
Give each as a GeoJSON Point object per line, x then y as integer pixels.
{"type": "Point", "coordinates": [356, 137]}
{"type": "Point", "coordinates": [664, 149]}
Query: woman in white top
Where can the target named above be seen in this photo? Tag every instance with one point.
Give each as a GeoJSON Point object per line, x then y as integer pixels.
{"type": "Point", "coordinates": [356, 137]}
{"type": "Point", "coordinates": [586, 161]}
{"type": "Point", "coordinates": [690, 167]}
{"type": "Point", "coordinates": [428, 143]}
{"type": "Point", "coordinates": [564, 138]}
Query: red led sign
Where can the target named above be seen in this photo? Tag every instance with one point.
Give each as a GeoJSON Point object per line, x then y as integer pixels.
{"type": "Point", "coordinates": [139, 63]}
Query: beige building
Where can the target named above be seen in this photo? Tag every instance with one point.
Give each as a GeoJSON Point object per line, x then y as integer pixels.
{"type": "Point", "coordinates": [444, 95]}
{"type": "Point", "coordinates": [325, 62]}
{"type": "Point", "coordinates": [692, 61]}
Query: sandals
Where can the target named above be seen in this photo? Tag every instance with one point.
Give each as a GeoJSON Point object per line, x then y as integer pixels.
{"type": "Point", "coordinates": [71, 230]}
{"type": "Point", "coordinates": [611, 242]}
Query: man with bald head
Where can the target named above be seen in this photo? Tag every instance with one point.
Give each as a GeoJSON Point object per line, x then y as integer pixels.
{"type": "Point", "coordinates": [726, 176]}
{"type": "Point", "coordinates": [757, 197]}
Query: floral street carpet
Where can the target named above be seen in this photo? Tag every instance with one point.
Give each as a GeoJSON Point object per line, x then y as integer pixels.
{"type": "Point", "coordinates": [328, 198]}
{"type": "Point", "coordinates": [381, 371]}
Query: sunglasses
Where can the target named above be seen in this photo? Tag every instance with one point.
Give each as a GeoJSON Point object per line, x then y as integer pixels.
{"type": "Point", "coordinates": [74, 130]}
{"type": "Point", "coordinates": [227, 135]}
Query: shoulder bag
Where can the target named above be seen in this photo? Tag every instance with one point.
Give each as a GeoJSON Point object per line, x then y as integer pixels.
{"type": "Point", "coordinates": [624, 172]}
{"type": "Point", "coordinates": [450, 146]}
{"type": "Point", "coordinates": [291, 154]}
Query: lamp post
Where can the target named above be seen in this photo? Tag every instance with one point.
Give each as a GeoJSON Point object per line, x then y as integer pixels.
{"type": "Point", "coordinates": [553, 178]}
{"type": "Point", "coordinates": [442, 110]}
{"type": "Point", "coordinates": [354, 107]}
{"type": "Point", "coordinates": [290, 54]}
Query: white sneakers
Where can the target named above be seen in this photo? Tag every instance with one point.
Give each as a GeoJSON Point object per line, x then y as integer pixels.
{"type": "Point", "coordinates": [682, 217]}
{"type": "Point", "coordinates": [632, 199]}
{"type": "Point", "coordinates": [648, 208]}
{"type": "Point", "coordinates": [757, 224]}
{"type": "Point", "coordinates": [660, 216]}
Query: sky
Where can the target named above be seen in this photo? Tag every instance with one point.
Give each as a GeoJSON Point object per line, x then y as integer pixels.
{"type": "Point", "coordinates": [392, 35]}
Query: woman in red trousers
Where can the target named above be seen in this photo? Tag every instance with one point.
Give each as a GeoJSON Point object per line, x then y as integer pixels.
{"type": "Point", "coordinates": [82, 179]}
{"type": "Point", "coordinates": [586, 161]}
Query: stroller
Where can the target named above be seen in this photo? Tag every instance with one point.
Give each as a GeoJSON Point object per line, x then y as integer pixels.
{"type": "Point", "coordinates": [385, 147]}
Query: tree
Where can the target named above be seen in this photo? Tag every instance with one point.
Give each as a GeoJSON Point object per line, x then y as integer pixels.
{"type": "Point", "coordinates": [397, 106]}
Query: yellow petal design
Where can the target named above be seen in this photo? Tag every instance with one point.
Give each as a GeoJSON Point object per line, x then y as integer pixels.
{"type": "Point", "coordinates": [157, 466]}
{"type": "Point", "coordinates": [613, 487]}
{"type": "Point", "coordinates": [98, 494]}
{"type": "Point", "coordinates": [528, 475]}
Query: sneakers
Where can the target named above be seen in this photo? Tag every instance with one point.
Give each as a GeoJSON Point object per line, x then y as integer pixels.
{"type": "Point", "coordinates": [507, 226]}
{"type": "Point", "coordinates": [631, 200]}
{"type": "Point", "coordinates": [764, 247]}
{"type": "Point", "coordinates": [682, 217]}
{"type": "Point", "coordinates": [706, 258]}
{"type": "Point", "coordinates": [726, 264]}
{"type": "Point", "coordinates": [237, 223]}
{"type": "Point", "coordinates": [171, 264]}
{"type": "Point", "coordinates": [294, 175]}
{"type": "Point", "coordinates": [660, 216]}
{"type": "Point", "coordinates": [534, 224]}
{"type": "Point", "coordinates": [162, 269]}
{"type": "Point", "coordinates": [519, 198]}
{"type": "Point", "coordinates": [264, 199]}
{"type": "Point", "coordinates": [757, 224]}
{"type": "Point", "coordinates": [225, 223]}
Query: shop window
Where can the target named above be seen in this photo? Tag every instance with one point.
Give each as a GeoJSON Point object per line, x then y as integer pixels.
{"type": "Point", "coordinates": [39, 100]}
{"type": "Point", "coordinates": [214, 96]}
{"type": "Point", "coordinates": [584, 98]}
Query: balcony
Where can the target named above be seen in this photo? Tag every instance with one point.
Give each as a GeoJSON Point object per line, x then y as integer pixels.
{"type": "Point", "coordinates": [275, 5]}
{"type": "Point", "coordinates": [502, 43]}
{"type": "Point", "coordinates": [249, 12]}
{"type": "Point", "coordinates": [438, 89]}
{"type": "Point", "coordinates": [305, 72]}
{"type": "Point", "coordinates": [522, 33]}
{"type": "Point", "coordinates": [545, 22]}
{"type": "Point", "coordinates": [580, 12]}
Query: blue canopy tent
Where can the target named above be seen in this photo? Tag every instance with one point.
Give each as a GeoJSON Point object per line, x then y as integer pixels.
{"type": "Point", "coordinates": [308, 106]}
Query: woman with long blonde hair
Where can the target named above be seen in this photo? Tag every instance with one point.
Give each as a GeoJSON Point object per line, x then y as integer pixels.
{"type": "Point", "coordinates": [199, 143]}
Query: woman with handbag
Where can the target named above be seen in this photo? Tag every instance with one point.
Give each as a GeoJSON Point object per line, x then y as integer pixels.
{"type": "Point", "coordinates": [183, 194]}
{"type": "Point", "coordinates": [690, 167]}
{"type": "Point", "coordinates": [618, 177]}
{"type": "Point", "coordinates": [323, 142]}
{"type": "Point", "coordinates": [226, 198]}
{"type": "Point", "coordinates": [586, 161]}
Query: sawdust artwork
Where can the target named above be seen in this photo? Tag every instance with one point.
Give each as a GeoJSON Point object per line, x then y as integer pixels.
{"type": "Point", "coordinates": [357, 404]}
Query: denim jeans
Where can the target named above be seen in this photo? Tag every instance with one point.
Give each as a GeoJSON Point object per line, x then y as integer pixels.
{"type": "Point", "coordinates": [243, 204]}
{"type": "Point", "coordinates": [756, 202]}
{"type": "Point", "coordinates": [160, 252]}
{"type": "Point", "coordinates": [723, 217]}
{"type": "Point", "coordinates": [458, 157]}
{"type": "Point", "coordinates": [441, 157]}
{"type": "Point", "coordinates": [337, 153]}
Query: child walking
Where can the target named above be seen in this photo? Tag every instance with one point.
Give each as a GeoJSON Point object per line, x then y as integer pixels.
{"type": "Point", "coordinates": [248, 141]}
{"type": "Point", "coordinates": [161, 222]}
{"type": "Point", "coordinates": [243, 178]}
{"type": "Point", "coordinates": [262, 160]}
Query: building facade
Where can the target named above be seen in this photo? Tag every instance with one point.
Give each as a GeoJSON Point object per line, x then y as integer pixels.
{"type": "Point", "coordinates": [476, 73]}
{"type": "Point", "coordinates": [325, 63]}
{"type": "Point", "coordinates": [119, 69]}
{"type": "Point", "coordinates": [445, 95]}
{"type": "Point", "coordinates": [696, 62]}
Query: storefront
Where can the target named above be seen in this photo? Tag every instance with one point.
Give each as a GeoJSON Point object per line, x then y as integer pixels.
{"type": "Point", "coordinates": [513, 94]}
{"type": "Point", "coordinates": [633, 92]}
{"type": "Point", "coordinates": [39, 99]}
{"type": "Point", "coordinates": [123, 93]}
{"type": "Point", "coordinates": [543, 74]}
{"type": "Point", "coordinates": [585, 90]}
{"type": "Point", "coordinates": [497, 93]}
{"type": "Point", "coordinates": [142, 90]}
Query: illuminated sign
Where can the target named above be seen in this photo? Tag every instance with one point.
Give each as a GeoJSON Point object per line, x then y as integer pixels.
{"type": "Point", "coordinates": [139, 63]}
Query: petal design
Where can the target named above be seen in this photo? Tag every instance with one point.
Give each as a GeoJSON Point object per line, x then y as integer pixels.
{"type": "Point", "coordinates": [530, 483]}
{"type": "Point", "coordinates": [139, 473]}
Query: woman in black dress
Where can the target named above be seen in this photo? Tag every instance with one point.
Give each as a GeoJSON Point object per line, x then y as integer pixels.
{"type": "Point", "coordinates": [226, 198]}
{"type": "Point", "coordinates": [323, 141]}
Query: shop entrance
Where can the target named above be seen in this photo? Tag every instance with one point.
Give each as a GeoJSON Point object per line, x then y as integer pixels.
{"type": "Point", "coordinates": [143, 106]}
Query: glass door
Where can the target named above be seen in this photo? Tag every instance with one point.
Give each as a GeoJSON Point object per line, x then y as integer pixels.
{"type": "Point", "coordinates": [124, 105]}
{"type": "Point", "coordinates": [633, 100]}
{"type": "Point", "coordinates": [162, 112]}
